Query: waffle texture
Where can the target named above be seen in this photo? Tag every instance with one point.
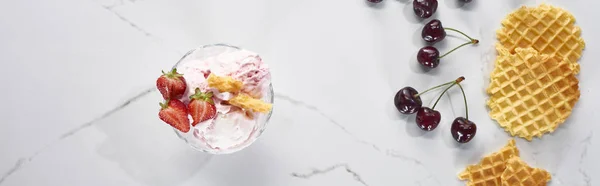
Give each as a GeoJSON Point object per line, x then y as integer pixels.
{"type": "Point", "coordinates": [532, 93]}
{"type": "Point", "coordinates": [249, 103]}
{"type": "Point", "coordinates": [224, 83]}
{"type": "Point", "coordinates": [547, 29]}
{"type": "Point", "coordinates": [518, 173]}
{"type": "Point", "coordinates": [489, 170]}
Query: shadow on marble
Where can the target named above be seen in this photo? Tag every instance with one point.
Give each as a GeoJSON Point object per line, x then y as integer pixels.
{"type": "Point", "coordinates": [410, 16]}
{"type": "Point", "coordinates": [442, 45]}
{"type": "Point", "coordinates": [414, 64]}
{"type": "Point", "coordinates": [488, 57]}
{"type": "Point", "coordinates": [147, 149]}
{"type": "Point", "coordinates": [450, 104]}
{"type": "Point", "coordinates": [417, 39]}
{"type": "Point", "coordinates": [411, 128]}
{"type": "Point", "coordinates": [395, 71]}
{"type": "Point", "coordinates": [251, 165]}
{"type": "Point", "coordinates": [404, 1]}
{"type": "Point", "coordinates": [454, 4]}
{"type": "Point", "coordinates": [375, 5]}
{"type": "Point", "coordinates": [468, 153]}
{"type": "Point", "coordinates": [457, 36]}
{"type": "Point", "coordinates": [470, 6]}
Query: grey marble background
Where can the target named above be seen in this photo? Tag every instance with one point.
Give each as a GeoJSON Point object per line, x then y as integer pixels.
{"type": "Point", "coordinates": [79, 105]}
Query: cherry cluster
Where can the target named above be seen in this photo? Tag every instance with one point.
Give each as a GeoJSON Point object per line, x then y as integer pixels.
{"type": "Point", "coordinates": [432, 33]}
{"type": "Point", "coordinates": [408, 101]}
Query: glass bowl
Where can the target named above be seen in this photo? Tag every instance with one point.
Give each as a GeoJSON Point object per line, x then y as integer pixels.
{"type": "Point", "coordinates": [195, 142]}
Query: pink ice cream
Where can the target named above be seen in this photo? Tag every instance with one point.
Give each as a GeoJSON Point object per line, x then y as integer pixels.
{"type": "Point", "coordinates": [232, 126]}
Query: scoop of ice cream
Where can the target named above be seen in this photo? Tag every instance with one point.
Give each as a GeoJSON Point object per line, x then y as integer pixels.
{"type": "Point", "coordinates": [194, 73]}
{"type": "Point", "coordinates": [253, 73]}
{"type": "Point", "coordinates": [236, 125]}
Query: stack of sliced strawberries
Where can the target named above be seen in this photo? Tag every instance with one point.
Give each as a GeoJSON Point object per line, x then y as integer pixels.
{"type": "Point", "coordinates": [172, 86]}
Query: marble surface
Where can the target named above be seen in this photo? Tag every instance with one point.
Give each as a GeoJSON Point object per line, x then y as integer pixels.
{"type": "Point", "coordinates": [80, 107]}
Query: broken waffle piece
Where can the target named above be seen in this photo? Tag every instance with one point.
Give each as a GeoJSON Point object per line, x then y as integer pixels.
{"type": "Point", "coordinates": [518, 173]}
{"type": "Point", "coordinates": [249, 103]}
{"type": "Point", "coordinates": [490, 168]}
{"type": "Point", "coordinates": [224, 83]}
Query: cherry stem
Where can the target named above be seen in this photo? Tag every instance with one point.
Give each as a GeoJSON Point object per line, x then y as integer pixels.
{"type": "Point", "coordinates": [470, 38]}
{"type": "Point", "coordinates": [457, 81]}
{"type": "Point", "coordinates": [440, 97]}
{"type": "Point", "coordinates": [432, 88]}
{"type": "Point", "coordinates": [464, 44]}
{"type": "Point", "coordinates": [465, 99]}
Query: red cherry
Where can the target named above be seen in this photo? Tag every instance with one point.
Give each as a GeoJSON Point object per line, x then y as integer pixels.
{"type": "Point", "coordinates": [463, 130]}
{"type": "Point", "coordinates": [428, 119]}
{"type": "Point", "coordinates": [433, 32]}
{"type": "Point", "coordinates": [429, 57]}
{"type": "Point", "coordinates": [406, 102]}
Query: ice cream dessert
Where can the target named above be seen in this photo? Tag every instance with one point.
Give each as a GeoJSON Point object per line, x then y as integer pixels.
{"type": "Point", "coordinates": [226, 96]}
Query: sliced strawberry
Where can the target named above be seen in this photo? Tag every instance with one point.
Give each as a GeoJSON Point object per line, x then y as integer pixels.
{"type": "Point", "coordinates": [201, 107]}
{"type": "Point", "coordinates": [175, 113]}
{"type": "Point", "coordinates": [171, 85]}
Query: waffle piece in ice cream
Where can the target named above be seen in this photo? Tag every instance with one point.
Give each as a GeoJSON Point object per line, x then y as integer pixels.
{"type": "Point", "coordinates": [249, 103]}
{"type": "Point", "coordinates": [224, 83]}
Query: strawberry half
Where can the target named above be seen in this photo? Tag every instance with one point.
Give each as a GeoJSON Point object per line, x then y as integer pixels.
{"type": "Point", "coordinates": [201, 107]}
{"type": "Point", "coordinates": [175, 113]}
{"type": "Point", "coordinates": [171, 85]}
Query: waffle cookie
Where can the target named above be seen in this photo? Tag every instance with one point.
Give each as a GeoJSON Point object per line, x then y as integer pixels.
{"type": "Point", "coordinates": [503, 53]}
{"type": "Point", "coordinates": [224, 84]}
{"type": "Point", "coordinates": [547, 29]}
{"type": "Point", "coordinates": [531, 93]}
{"type": "Point", "coordinates": [518, 173]}
{"type": "Point", "coordinates": [488, 171]}
{"type": "Point", "coordinates": [249, 103]}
